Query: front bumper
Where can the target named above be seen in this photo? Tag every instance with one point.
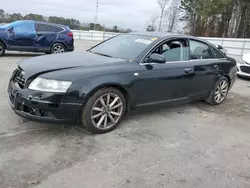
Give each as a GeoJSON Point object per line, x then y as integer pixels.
{"type": "Point", "coordinates": [243, 70]}
{"type": "Point", "coordinates": [42, 107]}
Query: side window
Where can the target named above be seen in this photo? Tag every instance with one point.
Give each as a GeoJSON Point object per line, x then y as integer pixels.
{"type": "Point", "coordinates": [44, 28]}
{"type": "Point", "coordinates": [174, 50]}
{"type": "Point", "coordinates": [216, 54]}
{"type": "Point", "coordinates": [58, 29]}
{"type": "Point", "coordinates": [24, 28]}
{"type": "Point", "coordinates": [199, 50]}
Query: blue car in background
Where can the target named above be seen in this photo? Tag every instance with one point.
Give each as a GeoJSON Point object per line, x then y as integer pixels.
{"type": "Point", "coordinates": [35, 36]}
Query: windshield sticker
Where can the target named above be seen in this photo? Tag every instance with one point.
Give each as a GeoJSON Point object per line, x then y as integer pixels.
{"type": "Point", "coordinates": [153, 39]}
{"type": "Point", "coordinates": [143, 41]}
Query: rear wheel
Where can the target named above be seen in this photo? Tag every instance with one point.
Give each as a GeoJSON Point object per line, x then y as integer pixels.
{"type": "Point", "coordinates": [219, 93]}
{"type": "Point", "coordinates": [58, 48]}
{"type": "Point", "coordinates": [104, 110]}
{"type": "Point", "coordinates": [2, 49]}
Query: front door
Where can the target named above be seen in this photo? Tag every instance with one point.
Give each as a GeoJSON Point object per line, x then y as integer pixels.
{"type": "Point", "coordinates": [22, 37]}
{"type": "Point", "coordinates": [160, 83]}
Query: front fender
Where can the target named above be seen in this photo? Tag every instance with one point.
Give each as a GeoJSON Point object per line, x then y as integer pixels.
{"type": "Point", "coordinates": [87, 87]}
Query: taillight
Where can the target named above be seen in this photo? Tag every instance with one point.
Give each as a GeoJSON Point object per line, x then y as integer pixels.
{"type": "Point", "coordinates": [70, 34]}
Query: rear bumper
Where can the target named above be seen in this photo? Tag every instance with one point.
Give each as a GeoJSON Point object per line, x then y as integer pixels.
{"type": "Point", "coordinates": [70, 49]}
{"type": "Point", "coordinates": [25, 104]}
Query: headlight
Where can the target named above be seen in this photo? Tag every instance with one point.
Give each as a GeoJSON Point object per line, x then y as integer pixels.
{"type": "Point", "coordinates": [48, 85]}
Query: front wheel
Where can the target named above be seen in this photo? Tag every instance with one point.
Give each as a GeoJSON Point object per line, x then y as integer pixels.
{"type": "Point", "coordinates": [58, 48]}
{"type": "Point", "coordinates": [219, 93]}
{"type": "Point", "coordinates": [104, 110]}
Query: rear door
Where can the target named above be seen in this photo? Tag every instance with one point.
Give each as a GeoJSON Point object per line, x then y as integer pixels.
{"type": "Point", "coordinates": [45, 36]}
{"type": "Point", "coordinates": [207, 67]}
{"type": "Point", "coordinates": [162, 83]}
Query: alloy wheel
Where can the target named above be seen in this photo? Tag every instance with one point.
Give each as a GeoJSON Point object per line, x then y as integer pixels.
{"type": "Point", "coordinates": [221, 91]}
{"type": "Point", "coordinates": [106, 111]}
{"type": "Point", "coordinates": [58, 49]}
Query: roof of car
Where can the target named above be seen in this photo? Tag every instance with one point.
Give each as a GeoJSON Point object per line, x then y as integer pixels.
{"type": "Point", "coordinates": [158, 34]}
{"type": "Point", "coordinates": [161, 35]}
{"type": "Point", "coordinates": [41, 22]}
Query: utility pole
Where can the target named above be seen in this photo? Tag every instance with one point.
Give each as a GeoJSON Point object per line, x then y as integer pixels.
{"type": "Point", "coordinates": [96, 15]}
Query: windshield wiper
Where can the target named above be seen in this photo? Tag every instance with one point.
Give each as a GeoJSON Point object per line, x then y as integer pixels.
{"type": "Point", "coordinates": [101, 54]}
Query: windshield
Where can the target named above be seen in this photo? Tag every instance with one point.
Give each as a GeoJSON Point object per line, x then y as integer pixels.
{"type": "Point", "coordinates": [124, 46]}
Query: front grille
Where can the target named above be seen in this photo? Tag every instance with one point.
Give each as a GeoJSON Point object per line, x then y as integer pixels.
{"type": "Point", "coordinates": [19, 78]}
{"type": "Point", "coordinates": [245, 69]}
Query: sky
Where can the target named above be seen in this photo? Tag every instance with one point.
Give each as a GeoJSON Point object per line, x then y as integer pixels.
{"type": "Point", "coordinates": [131, 14]}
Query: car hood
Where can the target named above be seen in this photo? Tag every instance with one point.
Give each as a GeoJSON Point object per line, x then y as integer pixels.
{"type": "Point", "coordinates": [246, 58]}
{"type": "Point", "coordinates": [48, 63]}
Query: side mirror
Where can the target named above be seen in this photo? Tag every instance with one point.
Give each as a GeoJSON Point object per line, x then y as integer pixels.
{"type": "Point", "coordinates": [224, 51]}
{"type": "Point", "coordinates": [219, 47]}
{"type": "Point", "coordinates": [10, 31]}
{"type": "Point", "coordinates": [157, 58]}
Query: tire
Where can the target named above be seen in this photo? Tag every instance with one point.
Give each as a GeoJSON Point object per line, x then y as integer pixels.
{"type": "Point", "coordinates": [58, 48]}
{"type": "Point", "coordinates": [2, 49]}
{"type": "Point", "coordinates": [116, 99]}
{"type": "Point", "coordinates": [219, 90]}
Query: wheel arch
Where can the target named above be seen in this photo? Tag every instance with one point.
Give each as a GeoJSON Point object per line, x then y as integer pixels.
{"type": "Point", "coordinates": [59, 42]}
{"type": "Point", "coordinates": [228, 78]}
{"type": "Point", "coordinates": [117, 86]}
{"type": "Point", "coordinates": [3, 43]}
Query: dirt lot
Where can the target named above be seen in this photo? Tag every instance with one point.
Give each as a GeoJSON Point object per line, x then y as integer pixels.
{"type": "Point", "coordinates": [195, 145]}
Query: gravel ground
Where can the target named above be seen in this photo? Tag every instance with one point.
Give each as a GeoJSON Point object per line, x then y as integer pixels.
{"type": "Point", "coordinates": [193, 145]}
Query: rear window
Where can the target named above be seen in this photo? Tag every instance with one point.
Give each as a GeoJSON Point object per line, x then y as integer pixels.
{"type": "Point", "coordinates": [58, 29]}
{"type": "Point", "coordinates": [44, 28]}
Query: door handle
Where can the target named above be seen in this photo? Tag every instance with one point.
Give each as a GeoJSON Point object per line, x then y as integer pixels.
{"type": "Point", "coordinates": [187, 71]}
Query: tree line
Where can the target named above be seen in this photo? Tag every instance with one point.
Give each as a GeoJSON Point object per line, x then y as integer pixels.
{"type": "Point", "coordinates": [72, 23]}
{"type": "Point", "coordinates": [217, 18]}
{"type": "Point", "coordinates": [210, 18]}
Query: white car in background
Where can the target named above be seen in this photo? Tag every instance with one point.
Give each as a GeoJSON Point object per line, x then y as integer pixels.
{"type": "Point", "coordinates": [243, 66]}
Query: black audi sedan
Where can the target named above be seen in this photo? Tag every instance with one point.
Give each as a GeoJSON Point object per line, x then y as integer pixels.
{"type": "Point", "coordinates": [98, 86]}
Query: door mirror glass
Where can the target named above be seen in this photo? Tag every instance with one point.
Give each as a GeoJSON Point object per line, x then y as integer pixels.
{"type": "Point", "coordinates": [157, 58]}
